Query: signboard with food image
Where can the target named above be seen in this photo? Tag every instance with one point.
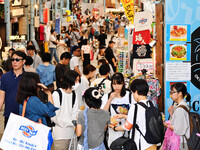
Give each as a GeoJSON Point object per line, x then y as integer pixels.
{"type": "Point", "coordinates": [178, 52]}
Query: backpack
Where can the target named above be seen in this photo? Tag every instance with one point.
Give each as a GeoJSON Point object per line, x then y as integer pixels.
{"type": "Point", "coordinates": [194, 141]}
{"type": "Point", "coordinates": [154, 124]}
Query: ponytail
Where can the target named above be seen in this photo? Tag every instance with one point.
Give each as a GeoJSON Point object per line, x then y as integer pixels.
{"type": "Point", "coordinates": [187, 97]}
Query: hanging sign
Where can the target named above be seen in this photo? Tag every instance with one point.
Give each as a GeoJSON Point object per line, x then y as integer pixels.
{"type": "Point", "coordinates": [129, 9]}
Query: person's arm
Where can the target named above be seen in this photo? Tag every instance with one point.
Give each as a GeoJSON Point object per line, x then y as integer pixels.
{"type": "Point", "coordinates": [48, 92]}
{"type": "Point", "coordinates": [112, 95]}
{"type": "Point", "coordinates": [82, 51]}
{"type": "Point", "coordinates": [113, 60]}
{"type": "Point", "coordinates": [2, 98]}
{"type": "Point", "coordinates": [78, 130]}
{"type": "Point", "coordinates": [118, 128]}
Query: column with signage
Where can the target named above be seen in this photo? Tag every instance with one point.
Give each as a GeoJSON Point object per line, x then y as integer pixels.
{"type": "Point", "coordinates": [182, 34]}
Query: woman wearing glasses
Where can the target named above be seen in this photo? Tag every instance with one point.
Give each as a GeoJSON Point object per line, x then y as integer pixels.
{"type": "Point", "coordinates": [179, 116]}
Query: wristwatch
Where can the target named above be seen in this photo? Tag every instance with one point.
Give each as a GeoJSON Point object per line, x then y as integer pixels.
{"type": "Point", "coordinates": [114, 128]}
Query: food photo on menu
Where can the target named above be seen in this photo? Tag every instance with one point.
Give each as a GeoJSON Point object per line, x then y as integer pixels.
{"type": "Point", "coordinates": [178, 33]}
{"type": "Point", "coordinates": [178, 52]}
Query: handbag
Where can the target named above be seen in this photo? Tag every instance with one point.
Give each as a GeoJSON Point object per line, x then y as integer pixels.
{"type": "Point", "coordinates": [171, 140]}
{"type": "Point", "coordinates": [22, 133]}
{"type": "Point", "coordinates": [125, 143]}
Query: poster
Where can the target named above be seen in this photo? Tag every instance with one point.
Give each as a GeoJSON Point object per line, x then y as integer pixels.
{"type": "Point", "coordinates": [129, 7]}
{"type": "Point", "coordinates": [57, 26]}
{"type": "Point", "coordinates": [182, 30]}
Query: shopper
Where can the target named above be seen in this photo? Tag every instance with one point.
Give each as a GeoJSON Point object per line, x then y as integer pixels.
{"type": "Point", "coordinates": [63, 131]}
{"type": "Point", "coordinates": [101, 53]}
{"type": "Point", "coordinates": [7, 65]}
{"type": "Point", "coordinates": [36, 58]}
{"type": "Point", "coordinates": [60, 48]}
{"type": "Point", "coordinates": [88, 73]}
{"type": "Point", "coordinates": [103, 82]}
{"type": "Point", "coordinates": [86, 51]}
{"type": "Point", "coordinates": [74, 62]}
{"type": "Point", "coordinates": [102, 38]}
{"type": "Point", "coordinates": [117, 102]}
{"type": "Point", "coordinates": [28, 63]}
{"type": "Point", "coordinates": [84, 26]}
{"type": "Point", "coordinates": [92, 122]}
{"type": "Point", "coordinates": [61, 67]}
{"type": "Point", "coordinates": [139, 88]}
{"type": "Point", "coordinates": [110, 55]}
{"type": "Point", "coordinates": [28, 90]}
{"type": "Point", "coordinates": [67, 40]}
{"type": "Point", "coordinates": [104, 61]}
{"type": "Point", "coordinates": [180, 123]}
{"type": "Point", "coordinates": [46, 71]}
{"type": "Point", "coordinates": [52, 46]}
{"type": "Point", "coordinates": [96, 27]}
{"type": "Point", "coordinates": [9, 85]}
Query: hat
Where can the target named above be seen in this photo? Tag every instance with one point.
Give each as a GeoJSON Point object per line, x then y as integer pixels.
{"type": "Point", "coordinates": [75, 48]}
{"type": "Point", "coordinates": [110, 42]}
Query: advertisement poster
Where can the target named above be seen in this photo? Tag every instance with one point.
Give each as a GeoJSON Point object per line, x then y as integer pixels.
{"type": "Point", "coordinates": [182, 49]}
{"type": "Point", "coordinates": [129, 7]}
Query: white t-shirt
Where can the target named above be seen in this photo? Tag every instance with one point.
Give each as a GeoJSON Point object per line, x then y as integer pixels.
{"type": "Point", "coordinates": [52, 39]}
{"type": "Point", "coordinates": [75, 62]}
{"type": "Point", "coordinates": [95, 25]}
{"type": "Point", "coordinates": [106, 86]}
{"type": "Point", "coordinates": [84, 85]}
{"type": "Point", "coordinates": [64, 128]}
{"type": "Point", "coordinates": [114, 109]}
{"type": "Point", "coordinates": [84, 26]}
{"type": "Point", "coordinates": [141, 122]}
{"type": "Point", "coordinates": [86, 49]}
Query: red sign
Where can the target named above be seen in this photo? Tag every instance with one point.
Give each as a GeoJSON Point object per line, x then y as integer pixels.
{"type": "Point", "coordinates": [45, 15]}
{"type": "Point", "coordinates": [141, 37]}
{"type": "Point", "coordinates": [1, 1]}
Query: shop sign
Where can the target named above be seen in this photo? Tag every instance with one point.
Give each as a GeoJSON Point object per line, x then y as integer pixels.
{"type": "Point", "coordinates": [129, 9]}
{"type": "Point", "coordinates": [17, 12]}
{"type": "Point", "coordinates": [17, 3]}
{"type": "Point", "coordinates": [1, 1]}
{"type": "Point", "coordinates": [17, 37]}
{"type": "Point", "coordinates": [140, 64]}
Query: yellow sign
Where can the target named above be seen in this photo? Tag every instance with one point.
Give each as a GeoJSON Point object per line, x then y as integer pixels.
{"type": "Point", "coordinates": [129, 9]}
{"type": "Point", "coordinates": [17, 37]}
{"type": "Point", "coordinates": [68, 12]}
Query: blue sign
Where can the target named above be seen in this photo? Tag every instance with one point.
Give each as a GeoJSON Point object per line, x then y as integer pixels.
{"type": "Point", "coordinates": [183, 45]}
{"type": "Point", "coordinates": [57, 26]}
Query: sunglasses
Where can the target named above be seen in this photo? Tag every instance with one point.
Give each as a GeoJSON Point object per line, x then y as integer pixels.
{"type": "Point", "coordinates": [17, 59]}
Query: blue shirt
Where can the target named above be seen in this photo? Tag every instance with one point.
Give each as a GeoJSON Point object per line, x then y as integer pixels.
{"type": "Point", "coordinates": [36, 109]}
{"type": "Point", "coordinates": [46, 73]}
{"type": "Point", "coordinates": [9, 84]}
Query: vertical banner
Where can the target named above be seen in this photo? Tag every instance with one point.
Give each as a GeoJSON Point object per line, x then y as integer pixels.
{"type": "Point", "coordinates": [57, 26]}
{"type": "Point", "coordinates": [129, 9]}
{"type": "Point", "coordinates": [182, 45]}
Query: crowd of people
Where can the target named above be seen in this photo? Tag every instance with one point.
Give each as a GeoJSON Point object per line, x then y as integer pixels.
{"type": "Point", "coordinates": [93, 99]}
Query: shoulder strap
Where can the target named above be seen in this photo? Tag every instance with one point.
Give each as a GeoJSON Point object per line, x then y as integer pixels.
{"type": "Point", "coordinates": [184, 107]}
{"type": "Point", "coordinates": [73, 98]}
{"type": "Point", "coordinates": [101, 82]}
{"type": "Point", "coordinates": [130, 100]}
{"type": "Point", "coordinates": [134, 121]}
{"type": "Point", "coordinates": [143, 105]}
{"type": "Point", "coordinates": [60, 96]}
{"type": "Point", "coordinates": [24, 107]}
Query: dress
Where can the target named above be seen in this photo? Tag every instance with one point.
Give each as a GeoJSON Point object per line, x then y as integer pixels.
{"type": "Point", "coordinates": [36, 109]}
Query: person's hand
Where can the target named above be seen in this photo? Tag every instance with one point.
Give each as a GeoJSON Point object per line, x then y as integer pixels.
{"type": "Point", "coordinates": [115, 64]}
{"type": "Point", "coordinates": [171, 110]}
{"type": "Point", "coordinates": [82, 59]}
{"type": "Point", "coordinates": [111, 126]}
{"type": "Point", "coordinates": [119, 116]}
{"type": "Point", "coordinates": [44, 88]}
{"type": "Point", "coordinates": [113, 95]}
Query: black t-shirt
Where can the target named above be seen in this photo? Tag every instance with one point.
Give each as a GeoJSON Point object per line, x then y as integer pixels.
{"type": "Point", "coordinates": [109, 55]}
{"type": "Point", "coordinates": [142, 51]}
{"type": "Point", "coordinates": [102, 39]}
{"type": "Point", "coordinates": [60, 69]}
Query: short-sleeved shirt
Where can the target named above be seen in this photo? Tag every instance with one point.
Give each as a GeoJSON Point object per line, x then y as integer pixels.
{"type": "Point", "coordinates": [52, 39]}
{"type": "Point", "coordinates": [9, 84]}
{"type": "Point", "coordinates": [75, 62]}
{"type": "Point", "coordinates": [102, 39]}
{"type": "Point", "coordinates": [74, 39]}
{"type": "Point", "coordinates": [97, 120]}
{"type": "Point", "coordinates": [95, 25]}
{"type": "Point", "coordinates": [109, 55]}
{"type": "Point", "coordinates": [36, 61]}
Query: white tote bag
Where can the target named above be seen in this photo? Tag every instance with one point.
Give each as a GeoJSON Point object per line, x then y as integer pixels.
{"type": "Point", "coordinates": [24, 134]}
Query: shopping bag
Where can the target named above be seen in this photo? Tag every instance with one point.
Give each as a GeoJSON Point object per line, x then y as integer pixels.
{"type": "Point", "coordinates": [171, 140]}
{"type": "Point", "coordinates": [73, 142]}
{"type": "Point", "coordinates": [22, 133]}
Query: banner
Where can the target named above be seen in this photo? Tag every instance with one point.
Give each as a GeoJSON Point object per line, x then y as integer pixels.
{"type": "Point", "coordinates": [182, 49]}
{"type": "Point", "coordinates": [129, 9]}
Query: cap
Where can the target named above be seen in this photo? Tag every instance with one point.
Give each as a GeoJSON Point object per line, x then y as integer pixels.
{"type": "Point", "coordinates": [110, 42]}
{"type": "Point", "coordinates": [75, 48]}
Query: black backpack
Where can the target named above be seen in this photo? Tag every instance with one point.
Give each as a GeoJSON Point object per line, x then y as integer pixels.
{"type": "Point", "coordinates": [154, 124]}
{"type": "Point", "coordinates": [194, 141]}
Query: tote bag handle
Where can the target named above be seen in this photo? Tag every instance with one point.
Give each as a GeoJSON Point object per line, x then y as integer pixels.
{"type": "Point", "coordinates": [24, 109]}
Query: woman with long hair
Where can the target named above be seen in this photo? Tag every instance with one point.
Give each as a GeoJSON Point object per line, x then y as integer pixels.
{"type": "Point", "coordinates": [28, 89]}
{"type": "Point", "coordinates": [117, 102]}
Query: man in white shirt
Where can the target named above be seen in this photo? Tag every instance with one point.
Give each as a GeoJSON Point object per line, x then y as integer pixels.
{"type": "Point", "coordinates": [36, 58]}
{"type": "Point", "coordinates": [84, 25]}
{"type": "Point", "coordinates": [96, 27]}
{"type": "Point", "coordinates": [74, 62]}
{"type": "Point", "coordinates": [103, 82]}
